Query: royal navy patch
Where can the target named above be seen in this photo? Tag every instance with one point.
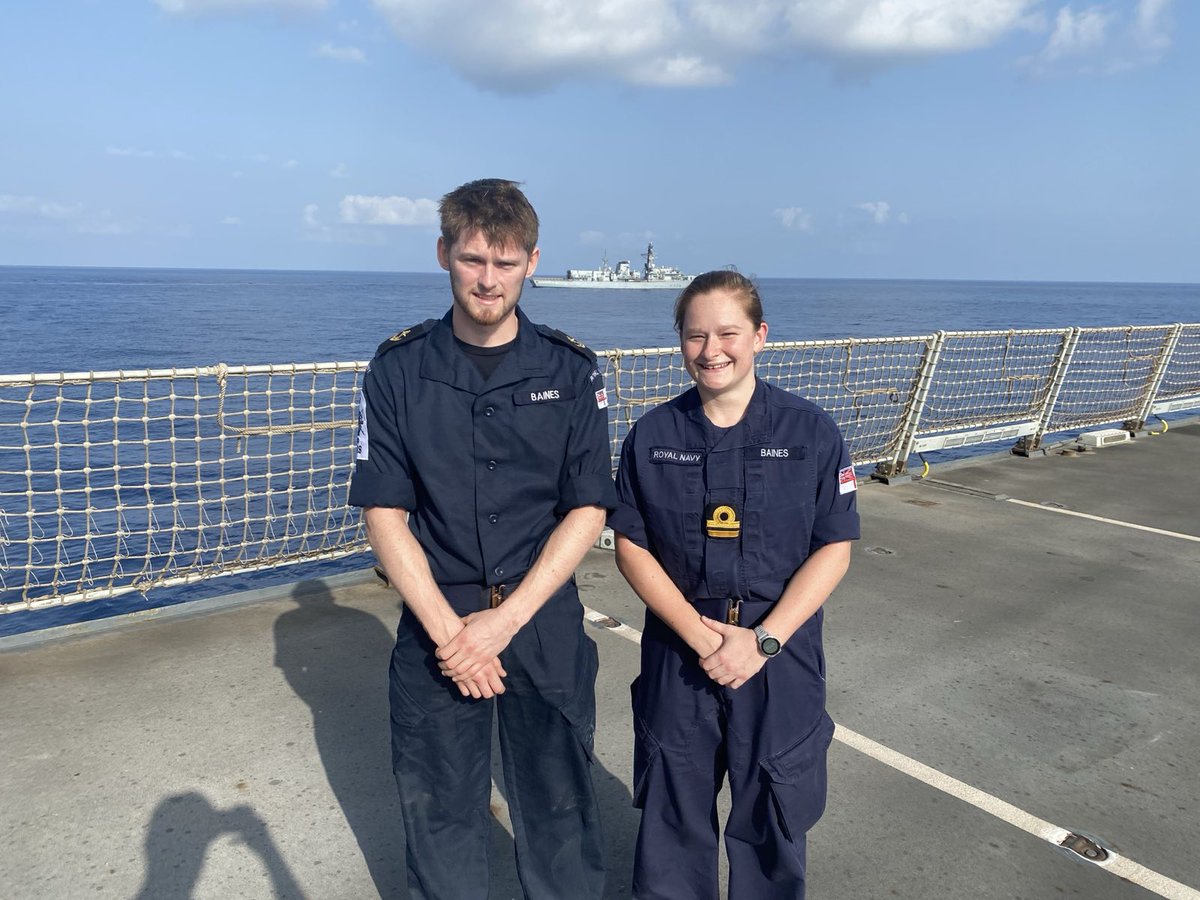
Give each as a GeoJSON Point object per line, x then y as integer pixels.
{"type": "Point", "coordinates": [675, 457]}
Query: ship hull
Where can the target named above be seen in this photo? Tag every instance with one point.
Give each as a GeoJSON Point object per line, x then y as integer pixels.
{"type": "Point", "coordinates": [675, 284]}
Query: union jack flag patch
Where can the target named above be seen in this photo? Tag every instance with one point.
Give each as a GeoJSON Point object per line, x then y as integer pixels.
{"type": "Point", "coordinates": [846, 480]}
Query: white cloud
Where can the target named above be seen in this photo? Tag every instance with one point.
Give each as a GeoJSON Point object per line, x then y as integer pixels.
{"type": "Point", "coordinates": [56, 215]}
{"type": "Point", "coordinates": [743, 25]}
{"type": "Point", "coordinates": [290, 164]}
{"type": "Point", "coordinates": [327, 234]}
{"type": "Point", "coordinates": [205, 7]}
{"type": "Point", "coordinates": [358, 209]}
{"type": "Point", "coordinates": [1077, 34]}
{"type": "Point", "coordinates": [142, 153]}
{"type": "Point", "coordinates": [679, 71]}
{"type": "Point", "coordinates": [105, 225]}
{"type": "Point", "coordinates": [533, 44]}
{"type": "Point", "coordinates": [891, 28]}
{"type": "Point", "coordinates": [129, 151]}
{"type": "Point", "coordinates": [339, 171]}
{"type": "Point", "coordinates": [231, 220]}
{"type": "Point", "coordinates": [878, 210]}
{"type": "Point", "coordinates": [591, 237]}
{"type": "Point", "coordinates": [38, 208]}
{"type": "Point", "coordinates": [795, 218]}
{"type": "Point", "coordinates": [1152, 25]}
{"type": "Point", "coordinates": [1104, 40]}
{"type": "Point", "coordinates": [341, 54]}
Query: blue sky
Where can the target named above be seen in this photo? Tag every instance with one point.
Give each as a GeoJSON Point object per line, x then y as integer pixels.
{"type": "Point", "coordinates": [1006, 139]}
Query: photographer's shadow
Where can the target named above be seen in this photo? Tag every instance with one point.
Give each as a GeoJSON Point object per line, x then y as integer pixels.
{"type": "Point", "coordinates": [179, 835]}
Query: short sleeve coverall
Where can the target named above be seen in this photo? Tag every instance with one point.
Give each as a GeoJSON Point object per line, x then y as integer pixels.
{"type": "Point", "coordinates": [486, 469]}
{"type": "Point", "coordinates": [784, 476]}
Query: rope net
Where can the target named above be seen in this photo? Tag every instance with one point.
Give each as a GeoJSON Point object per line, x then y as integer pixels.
{"type": "Point", "coordinates": [1110, 372]}
{"type": "Point", "coordinates": [1182, 376]}
{"type": "Point", "coordinates": [121, 482]}
{"type": "Point", "coordinates": [991, 377]}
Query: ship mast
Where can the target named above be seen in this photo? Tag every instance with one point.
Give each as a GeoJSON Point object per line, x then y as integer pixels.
{"type": "Point", "coordinates": [649, 257]}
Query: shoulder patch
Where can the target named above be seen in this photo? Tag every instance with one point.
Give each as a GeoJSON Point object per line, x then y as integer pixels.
{"type": "Point", "coordinates": [404, 335]}
{"type": "Point", "coordinates": [561, 337]}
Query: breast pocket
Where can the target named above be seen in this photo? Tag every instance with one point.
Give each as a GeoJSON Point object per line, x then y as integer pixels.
{"type": "Point", "coordinates": [672, 499]}
{"type": "Point", "coordinates": [781, 493]}
{"type": "Point", "coordinates": [542, 420]}
{"type": "Point", "coordinates": [676, 542]}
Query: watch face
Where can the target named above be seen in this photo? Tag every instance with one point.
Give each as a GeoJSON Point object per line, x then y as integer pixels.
{"type": "Point", "coordinates": [769, 646]}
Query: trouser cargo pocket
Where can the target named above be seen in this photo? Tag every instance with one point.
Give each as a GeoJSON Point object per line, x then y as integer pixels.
{"type": "Point", "coordinates": [580, 708]}
{"type": "Point", "coordinates": [646, 751]}
{"type": "Point", "coordinates": [798, 780]}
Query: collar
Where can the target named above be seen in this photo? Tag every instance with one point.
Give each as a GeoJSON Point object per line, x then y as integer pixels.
{"type": "Point", "coordinates": [754, 428]}
{"type": "Point", "coordinates": [447, 363]}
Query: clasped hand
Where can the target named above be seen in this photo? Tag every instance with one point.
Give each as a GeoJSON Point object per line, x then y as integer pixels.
{"type": "Point", "coordinates": [737, 659]}
{"type": "Point", "coordinates": [472, 657]}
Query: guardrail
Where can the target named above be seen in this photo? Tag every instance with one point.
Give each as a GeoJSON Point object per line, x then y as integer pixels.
{"type": "Point", "coordinates": [119, 482]}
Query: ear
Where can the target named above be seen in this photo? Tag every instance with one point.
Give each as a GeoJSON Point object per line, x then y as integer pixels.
{"type": "Point", "coordinates": [533, 261]}
{"type": "Point", "coordinates": [443, 254]}
{"type": "Point", "coordinates": [760, 337]}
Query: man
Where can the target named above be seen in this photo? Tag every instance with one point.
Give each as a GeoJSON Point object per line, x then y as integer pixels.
{"type": "Point", "coordinates": [484, 476]}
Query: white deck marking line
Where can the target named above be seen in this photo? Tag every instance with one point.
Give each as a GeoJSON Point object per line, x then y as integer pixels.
{"type": "Point", "coordinates": [499, 808]}
{"type": "Point", "coordinates": [1079, 515]}
{"type": "Point", "coordinates": [613, 625]}
{"type": "Point", "coordinates": [1118, 865]}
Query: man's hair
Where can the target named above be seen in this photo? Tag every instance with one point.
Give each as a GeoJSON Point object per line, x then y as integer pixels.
{"type": "Point", "coordinates": [721, 280]}
{"type": "Point", "coordinates": [494, 206]}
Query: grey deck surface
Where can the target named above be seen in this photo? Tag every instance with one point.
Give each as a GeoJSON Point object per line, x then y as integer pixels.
{"type": "Point", "coordinates": [1049, 661]}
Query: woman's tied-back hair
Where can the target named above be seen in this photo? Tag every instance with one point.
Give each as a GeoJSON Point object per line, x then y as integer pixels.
{"type": "Point", "coordinates": [494, 206]}
{"type": "Point", "coordinates": [721, 280]}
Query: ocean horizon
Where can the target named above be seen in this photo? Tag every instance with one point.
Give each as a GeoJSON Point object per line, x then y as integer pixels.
{"type": "Point", "coordinates": [171, 317]}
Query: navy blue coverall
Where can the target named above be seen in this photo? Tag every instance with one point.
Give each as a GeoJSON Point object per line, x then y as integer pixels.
{"type": "Point", "coordinates": [487, 469]}
{"type": "Point", "coordinates": [786, 473]}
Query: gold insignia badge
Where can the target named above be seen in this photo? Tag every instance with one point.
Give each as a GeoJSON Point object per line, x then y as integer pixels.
{"type": "Point", "coordinates": [401, 335]}
{"type": "Point", "coordinates": [722, 522]}
{"type": "Point", "coordinates": [572, 340]}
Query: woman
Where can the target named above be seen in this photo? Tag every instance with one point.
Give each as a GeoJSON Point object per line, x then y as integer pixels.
{"type": "Point", "coordinates": [737, 506]}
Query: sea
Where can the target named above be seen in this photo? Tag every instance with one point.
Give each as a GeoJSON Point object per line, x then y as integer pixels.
{"type": "Point", "coordinates": [108, 319]}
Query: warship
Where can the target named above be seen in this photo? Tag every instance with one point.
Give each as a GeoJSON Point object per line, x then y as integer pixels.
{"type": "Point", "coordinates": [650, 276]}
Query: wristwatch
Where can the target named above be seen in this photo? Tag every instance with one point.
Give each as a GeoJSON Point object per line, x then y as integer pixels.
{"type": "Point", "coordinates": [768, 644]}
